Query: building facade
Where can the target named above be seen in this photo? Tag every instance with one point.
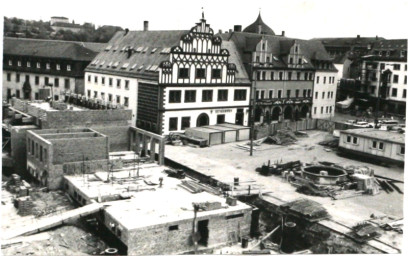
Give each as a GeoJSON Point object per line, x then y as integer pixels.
{"type": "Point", "coordinates": [380, 78]}
{"type": "Point", "coordinates": [175, 79]}
{"type": "Point", "coordinates": [325, 88]}
{"type": "Point", "coordinates": [282, 71]}
{"type": "Point", "coordinates": [34, 69]}
{"type": "Point", "coordinates": [374, 144]}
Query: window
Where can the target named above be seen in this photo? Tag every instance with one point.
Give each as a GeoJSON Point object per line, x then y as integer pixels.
{"type": "Point", "coordinates": [394, 92]}
{"type": "Point", "coordinates": [404, 93]}
{"type": "Point", "coordinates": [270, 94]}
{"type": "Point", "coordinates": [47, 66]}
{"type": "Point", "coordinates": [405, 79]}
{"type": "Point", "coordinates": [174, 227]}
{"type": "Point", "coordinates": [185, 122]}
{"type": "Point", "coordinates": [324, 80]}
{"type": "Point", "coordinates": [257, 94]}
{"type": "Point", "coordinates": [291, 60]}
{"type": "Point", "coordinates": [173, 124]}
{"type": "Point", "coordinates": [32, 148]}
{"type": "Point", "coordinates": [297, 93]}
{"type": "Point", "coordinates": [321, 110]}
{"type": "Point", "coordinates": [305, 76]}
{"type": "Point", "coordinates": [395, 79]}
{"type": "Point", "coordinates": [68, 67]}
{"type": "Point", "coordinates": [289, 75]}
{"type": "Point", "coordinates": [240, 94]}
{"type": "Point", "coordinates": [126, 84]}
{"type": "Point", "coordinates": [298, 75]}
{"type": "Point", "coordinates": [397, 66]}
{"type": "Point", "coordinates": [310, 76]}
{"type": "Point", "coordinates": [288, 94]}
{"type": "Point", "coordinates": [406, 66]}
{"type": "Point", "coordinates": [374, 144]}
{"type": "Point", "coordinates": [300, 61]}
{"type": "Point", "coordinates": [89, 93]}
{"type": "Point", "coordinates": [117, 99]}
{"type": "Point", "coordinates": [314, 110]}
{"type": "Point", "coordinates": [280, 75]}
{"type": "Point", "coordinates": [402, 150]}
{"type": "Point", "coordinates": [46, 80]}
{"type": "Point", "coordinates": [304, 93]}
{"type": "Point", "coordinates": [10, 63]}
{"type": "Point", "coordinates": [95, 94]}
{"type": "Point", "coordinates": [18, 94]}
{"type": "Point", "coordinates": [9, 77]}
{"type": "Point", "coordinates": [28, 64]}
{"type": "Point", "coordinates": [183, 73]}
{"type": "Point", "coordinates": [19, 63]}
{"type": "Point", "coordinates": [355, 140]}
{"type": "Point", "coordinates": [309, 93]}
{"type": "Point", "coordinates": [381, 146]}
{"type": "Point", "coordinates": [118, 83]}
{"type": "Point", "coordinates": [190, 96]}
{"type": "Point", "coordinates": [268, 60]}
{"type": "Point", "coordinates": [56, 82]}
{"type": "Point", "coordinates": [110, 97]}
{"type": "Point", "coordinates": [200, 73]}
{"type": "Point", "coordinates": [222, 95]}
{"type": "Point", "coordinates": [67, 84]}
{"type": "Point", "coordinates": [317, 79]}
{"type": "Point", "coordinates": [257, 59]}
{"type": "Point", "coordinates": [58, 67]}
{"type": "Point", "coordinates": [103, 80]}
{"type": "Point", "coordinates": [272, 76]}
{"type": "Point", "coordinates": [279, 94]}
{"type": "Point", "coordinates": [103, 96]}
{"type": "Point", "coordinates": [207, 95]}
{"type": "Point", "coordinates": [95, 79]}
{"type": "Point", "coordinates": [323, 95]}
{"type": "Point", "coordinates": [38, 65]}
{"type": "Point", "coordinates": [216, 73]}
{"type": "Point", "coordinates": [175, 97]}
{"type": "Point", "coordinates": [89, 78]}
{"type": "Point", "coordinates": [17, 77]}
{"type": "Point", "coordinates": [126, 103]}
{"type": "Point", "coordinates": [110, 81]}
{"type": "Point", "coordinates": [316, 95]}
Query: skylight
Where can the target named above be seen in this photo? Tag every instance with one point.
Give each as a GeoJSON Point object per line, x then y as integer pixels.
{"type": "Point", "coordinates": [165, 50]}
{"type": "Point", "coordinates": [114, 49]}
{"type": "Point", "coordinates": [101, 64]}
{"type": "Point", "coordinates": [123, 49]}
{"type": "Point", "coordinates": [145, 49]}
{"type": "Point", "coordinates": [125, 65]}
{"type": "Point", "coordinates": [110, 64]}
{"type": "Point", "coordinates": [154, 68]}
{"type": "Point", "coordinates": [133, 67]}
{"type": "Point", "coordinates": [140, 68]}
{"type": "Point", "coordinates": [139, 49]}
{"type": "Point", "coordinates": [115, 64]}
{"type": "Point", "coordinates": [148, 67]}
{"type": "Point", "coordinates": [153, 50]}
{"type": "Point", "coordinates": [108, 47]}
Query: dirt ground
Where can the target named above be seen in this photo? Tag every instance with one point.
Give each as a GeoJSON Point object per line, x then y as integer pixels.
{"type": "Point", "coordinates": [226, 161]}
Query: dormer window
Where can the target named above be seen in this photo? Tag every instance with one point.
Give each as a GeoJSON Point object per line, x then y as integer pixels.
{"type": "Point", "coordinates": [296, 49]}
{"type": "Point", "coordinates": [38, 65]}
{"type": "Point", "coordinates": [388, 53]}
{"type": "Point", "coordinates": [290, 60]}
{"type": "Point", "coordinates": [263, 46]}
{"type": "Point", "coordinates": [28, 64]}
{"type": "Point", "coordinates": [47, 66]}
{"type": "Point", "coordinates": [68, 67]}
{"type": "Point", "coordinates": [403, 54]}
{"type": "Point", "coordinates": [300, 61]}
{"type": "Point", "coordinates": [19, 63]}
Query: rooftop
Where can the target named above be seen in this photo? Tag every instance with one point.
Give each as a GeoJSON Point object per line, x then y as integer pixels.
{"type": "Point", "coordinates": [80, 51]}
{"type": "Point", "coordinates": [259, 23]}
{"type": "Point", "coordinates": [149, 205]}
{"type": "Point", "coordinates": [378, 134]}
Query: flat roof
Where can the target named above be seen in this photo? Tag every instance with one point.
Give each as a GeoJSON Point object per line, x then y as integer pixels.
{"type": "Point", "coordinates": [395, 137]}
{"type": "Point", "coordinates": [149, 205]}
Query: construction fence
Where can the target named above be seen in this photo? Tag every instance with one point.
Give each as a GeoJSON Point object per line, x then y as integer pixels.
{"type": "Point", "coordinates": [263, 130]}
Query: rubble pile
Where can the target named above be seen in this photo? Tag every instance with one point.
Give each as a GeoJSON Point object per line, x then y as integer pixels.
{"type": "Point", "coordinates": [283, 137]}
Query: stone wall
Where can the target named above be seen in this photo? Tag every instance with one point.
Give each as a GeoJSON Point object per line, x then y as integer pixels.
{"type": "Point", "coordinates": [160, 240]}
{"type": "Point", "coordinates": [18, 147]}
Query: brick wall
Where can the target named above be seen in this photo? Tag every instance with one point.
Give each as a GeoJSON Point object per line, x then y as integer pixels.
{"type": "Point", "coordinates": [159, 240]}
{"type": "Point", "coordinates": [118, 137]}
{"type": "Point", "coordinates": [86, 118]}
{"type": "Point", "coordinates": [73, 150]}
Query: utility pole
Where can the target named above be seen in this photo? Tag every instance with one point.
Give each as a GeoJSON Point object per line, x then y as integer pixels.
{"type": "Point", "coordinates": [253, 106]}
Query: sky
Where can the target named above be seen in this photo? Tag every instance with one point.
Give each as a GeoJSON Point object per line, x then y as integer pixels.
{"type": "Point", "coordinates": [298, 18]}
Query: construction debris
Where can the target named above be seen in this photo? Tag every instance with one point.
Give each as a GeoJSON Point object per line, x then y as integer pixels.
{"type": "Point", "coordinates": [282, 137]}
{"type": "Point", "coordinates": [175, 173]}
{"type": "Point", "coordinates": [365, 231]}
{"type": "Point", "coordinates": [305, 208]}
{"type": "Point", "coordinates": [278, 168]}
{"type": "Point", "coordinates": [332, 143]}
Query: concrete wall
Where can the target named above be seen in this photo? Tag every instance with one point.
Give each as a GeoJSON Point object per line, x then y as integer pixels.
{"type": "Point", "coordinates": [160, 240]}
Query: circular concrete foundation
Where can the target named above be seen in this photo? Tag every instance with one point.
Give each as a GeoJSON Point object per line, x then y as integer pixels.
{"type": "Point", "coordinates": [324, 175]}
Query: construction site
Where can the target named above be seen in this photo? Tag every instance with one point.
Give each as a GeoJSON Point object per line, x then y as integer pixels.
{"type": "Point", "coordinates": [113, 189]}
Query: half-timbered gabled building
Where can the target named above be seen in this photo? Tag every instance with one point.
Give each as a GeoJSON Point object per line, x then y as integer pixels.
{"type": "Point", "coordinates": [172, 80]}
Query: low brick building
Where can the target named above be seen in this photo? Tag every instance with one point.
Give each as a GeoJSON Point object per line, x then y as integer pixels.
{"type": "Point", "coordinates": [54, 152]}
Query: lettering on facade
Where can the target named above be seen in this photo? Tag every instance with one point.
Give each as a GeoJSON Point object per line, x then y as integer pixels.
{"type": "Point", "coordinates": [223, 111]}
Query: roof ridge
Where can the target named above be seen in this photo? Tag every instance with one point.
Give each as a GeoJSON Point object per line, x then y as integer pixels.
{"type": "Point", "coordinates": [49, 40]}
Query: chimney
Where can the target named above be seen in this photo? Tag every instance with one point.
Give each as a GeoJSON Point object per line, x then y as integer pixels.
{"type": "Point", "coordinates": [283, 32]}
{"type": "Point", "coordinates": [126, 31]}
{"type": "Point", "coordinates": [237, 28]}
{"type": "Point", "coordinates": [358, 36]}
{"type": "Point", "coordinates": [259, 29]}
{"type": "Point", "coordinates": [146, 25]}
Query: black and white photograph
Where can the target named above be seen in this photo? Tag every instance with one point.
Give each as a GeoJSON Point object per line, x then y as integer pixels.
{"type": "Point", "coordinates": [203, 127]}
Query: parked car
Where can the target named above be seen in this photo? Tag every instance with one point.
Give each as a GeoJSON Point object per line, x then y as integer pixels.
{"type": "Point", "coordinates": [363, 124]}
